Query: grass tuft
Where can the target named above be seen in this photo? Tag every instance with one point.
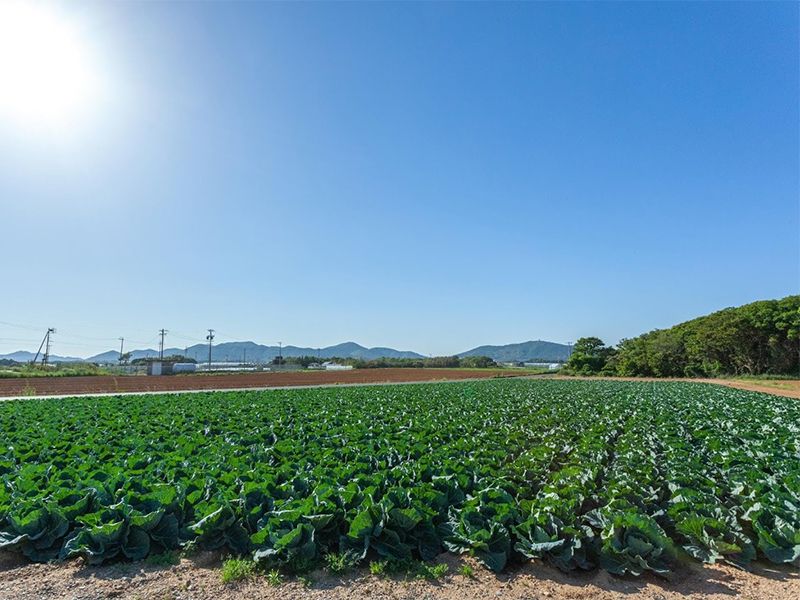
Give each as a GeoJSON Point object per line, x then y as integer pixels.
{"type": "Point", "coordinates": [466, 571]}
{"type": "Point", "coordinates": [433, 572]}
{"type": "Point", "coordinates": [378, 567]}
{"type": "Point", "coordinates": [410, 568]}
{"type": "Point", "coordinates": [237, 569]}
{"type": "Point", "coordinates": [274, 578]}
{"type": "Point", "coordinates": [338, 563]}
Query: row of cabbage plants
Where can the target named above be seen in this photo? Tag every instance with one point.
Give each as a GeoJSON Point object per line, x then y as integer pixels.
{"type": "Point", "coordinates": [626, 476]}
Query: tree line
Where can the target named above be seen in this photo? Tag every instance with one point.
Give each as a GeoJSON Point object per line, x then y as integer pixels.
{"type": "Point", "coordinates": [434, 362]}
{"type": "Point", "coordinates": [761, 338]}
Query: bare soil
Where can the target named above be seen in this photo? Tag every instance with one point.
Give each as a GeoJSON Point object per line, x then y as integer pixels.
{"type": "Point", "coordinates": [106, 384]}
{"type": "Point", "coordinates": [779, 387]}
{"type": "Point", "coordinates": [199, 579]}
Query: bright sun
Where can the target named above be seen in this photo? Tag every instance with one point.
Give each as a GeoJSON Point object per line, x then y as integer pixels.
{"type": "Point", "coordinates": [47, 78]}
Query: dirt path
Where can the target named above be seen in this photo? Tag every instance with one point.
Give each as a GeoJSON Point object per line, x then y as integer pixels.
{"type": "Point", "coordinates": [778, 387]}
{"type": "Point", "coordinates": [199, 579]}
{"type": "Point", "coordinates": [104, 384]}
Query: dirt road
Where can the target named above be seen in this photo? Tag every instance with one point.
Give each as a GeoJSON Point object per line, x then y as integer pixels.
{"type": "Point", "coordinates": [779, 387]}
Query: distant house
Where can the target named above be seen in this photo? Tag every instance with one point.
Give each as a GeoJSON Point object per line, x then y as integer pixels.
{"type": "Point", "coordinates": [159, 367]}
{"type": "Point", "coordinates": [332, 366]}
{"type": "Point", "coordinates": [549, 365]}
{"type": "Point", "coordinates": [169, 367]}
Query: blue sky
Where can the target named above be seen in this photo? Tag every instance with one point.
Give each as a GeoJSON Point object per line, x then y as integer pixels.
{"type": "Point", "coordinates": [423, 176]}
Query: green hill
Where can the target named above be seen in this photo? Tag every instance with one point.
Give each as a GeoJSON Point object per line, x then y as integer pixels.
{"type": "Point", "coordinates": [755, 339]}
{"type": "Point", "coordinates": [524, 351]}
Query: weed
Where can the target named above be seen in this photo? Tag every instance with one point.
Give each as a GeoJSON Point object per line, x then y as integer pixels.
{"type": "Point", "coordinates": [423, 570]}
{"type": "Point", "coordinates": [466, 571]}
{"type": "Point", "coordinates": [436, 571]}
{"type": "Point", "coordinates": [237, 569]}
{"type": "Point", "coordinates": [274, 577]}
{"type": "Point", "coordinates": [339, 563]}
{"type": "Point", "coordinates": [377, 567]}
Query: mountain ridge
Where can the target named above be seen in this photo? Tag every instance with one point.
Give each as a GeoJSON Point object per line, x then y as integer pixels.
{"type": "Point", "coordinates": [532, 350]}
{"type": "Point", "coordinates": [252, 352]}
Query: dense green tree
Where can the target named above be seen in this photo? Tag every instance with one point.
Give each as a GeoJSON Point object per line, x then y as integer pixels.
{"type": "Point", "coordinates": [477, 362]}
{"type": "Point", "coordinates": [589, 356]}
{"type": "Point", "coordinates": [758, 338]}
{"type": "Point", "coordinates": [176, 358]}
{"type": "Point", "coordinates": [434, 362]}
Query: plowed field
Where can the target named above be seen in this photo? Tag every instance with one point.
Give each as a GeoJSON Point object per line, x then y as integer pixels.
{"type": "Point", "coordinates": [54, 386]}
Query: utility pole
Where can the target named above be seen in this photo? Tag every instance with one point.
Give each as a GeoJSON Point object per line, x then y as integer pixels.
{"type": "Point", "coordinates": [121, 346]}
{"type": "Point", "coordinates": [45, 339]}
{"type": "Point", "coordinates": [280, 351]}
{"type": "Point", "coordinates": [162, 333]}
{"type": "Point", "coordinates": [244, 356]}
{"type": "Point", "coordinates": [210, 338]}
{"type": "Point", "coordinates": [46, 358]}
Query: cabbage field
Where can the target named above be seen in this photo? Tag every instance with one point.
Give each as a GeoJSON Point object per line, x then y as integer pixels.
{"type": "Point", "coordinates": [625, 476]}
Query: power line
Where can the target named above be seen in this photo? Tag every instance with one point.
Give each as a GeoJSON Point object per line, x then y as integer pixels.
{"type": "Point", "coordinates": [185, 337]}
{"type": "Point", "coordinates": [21, 326]}
{"type": "Point", "coordinates": [140, 342]}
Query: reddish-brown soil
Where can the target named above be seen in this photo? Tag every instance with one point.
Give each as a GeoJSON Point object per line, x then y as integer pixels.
{"type": "Point", "coordinates": [61, 386]}
{"type": "Point", "coordinates": [102, 384]}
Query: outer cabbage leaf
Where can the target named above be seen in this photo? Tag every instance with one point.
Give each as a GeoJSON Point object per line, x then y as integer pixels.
{"type": "Point", "coordinates": [486, 540]}
{"type": "Point", "coordinates": [631, 543]}
{"type": "Point", "coordinates": [545, 536]}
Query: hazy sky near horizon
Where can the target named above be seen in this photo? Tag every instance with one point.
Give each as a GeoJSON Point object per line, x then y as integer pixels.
{"type": "Point", "coordinates": [428, 177]}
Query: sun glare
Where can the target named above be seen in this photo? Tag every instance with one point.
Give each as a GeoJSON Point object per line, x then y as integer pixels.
{"type": "Point", "coordinates": [47, 77]}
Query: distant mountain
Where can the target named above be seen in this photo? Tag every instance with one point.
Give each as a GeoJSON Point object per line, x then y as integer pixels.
{"type": "Point", "coordinates": [106, 357]}
{"type": "Point", "coordinates": [25, 356]}
{"type": "Point", "coordinates": [524, 351]}
{"type": "Point", "coordinates": [252, 352]}
{"type": "Point", "coordinates": [112, 356]}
